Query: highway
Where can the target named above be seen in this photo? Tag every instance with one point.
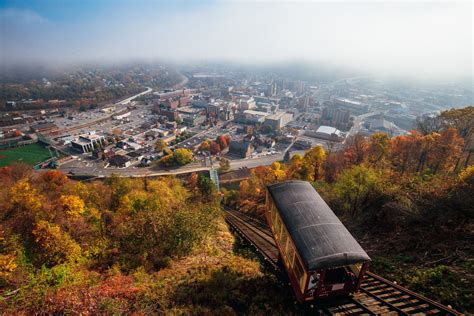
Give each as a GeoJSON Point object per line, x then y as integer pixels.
{"type": "Point", "coordinates": [127, 100]}
{"type": "Point", "coordinates": [182, 83]}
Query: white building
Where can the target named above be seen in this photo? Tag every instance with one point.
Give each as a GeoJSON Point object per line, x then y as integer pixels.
{"type": "Point", "coordinates": [326, 132]}
{"type": "Point", "coordinates": [121, 116]}
{"type": "Point", "coordinates": [108, 109]}
{"type": "Point", "coordinates": [88, 142]}
{"type": "Point", "coordinates": [278, 120]}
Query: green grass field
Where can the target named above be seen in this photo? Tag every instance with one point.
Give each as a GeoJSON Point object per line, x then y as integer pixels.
{"type": "Point", "coordinates": [29, 154]}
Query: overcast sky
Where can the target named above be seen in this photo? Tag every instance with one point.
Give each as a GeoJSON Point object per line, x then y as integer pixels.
{"type": "Point", "coordinates": [421, 38]}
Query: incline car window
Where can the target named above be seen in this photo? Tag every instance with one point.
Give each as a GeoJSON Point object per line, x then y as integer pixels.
{"type": "Point", "coordinates": [299, 272]}
{"type": "Point", "coordinates": [277, 227]}
{"type": "Point", "coordinates": [283, 240]}
{"type": "Point", "coordinates": [274, 215]}
{"type": "Point", "coordinates": [291, 254]}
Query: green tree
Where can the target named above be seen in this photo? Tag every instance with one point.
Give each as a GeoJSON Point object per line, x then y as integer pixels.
{"type": "Point", "coordinates": [206, 186]}
{"type": "Point", "coordinates": [120, 188]}
{"type": "Point", "coordinates": [355, 187]}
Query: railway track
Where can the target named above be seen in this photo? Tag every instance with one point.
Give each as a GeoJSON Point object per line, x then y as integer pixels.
{"type": "Point", "coordinates": [376, 296]}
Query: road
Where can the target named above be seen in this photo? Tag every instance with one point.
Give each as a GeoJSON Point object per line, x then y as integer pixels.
{"type": "Point", "coordinates": [122, 103]}
{"type": "Point", "coordinates": [182, 83]}
{"type": "Point", "coordinates": [357, 125]}
{"type": "Point", "coordinates": [76, 167]}
{"type": "Point", "coordinates": [127, 100]}
{"type": "Point", "coordinates": [98, 171]}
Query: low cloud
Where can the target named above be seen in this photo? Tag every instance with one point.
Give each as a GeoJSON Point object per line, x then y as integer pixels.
{"type": "Point", "coordinates": [424, 39]}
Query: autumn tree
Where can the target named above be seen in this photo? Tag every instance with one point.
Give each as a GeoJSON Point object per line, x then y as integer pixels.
{"type": "Point", "coordinates": [460, 119]}
{"type": "Point", "coordinates": [24, 206]}
{"type": "Point", "coordinates": [447, 150]}
{"type": "Point", "coordinates": [278, 171]}
{"type": "Point", "coordinates": [429, 124]}
{"type": "Point", "coordinates": [224, 165]}
{"type": "Point", "coordinates": [312, 163]}
{"type": "Point", "coordinates": [404, 152]}
{"type": "Point", "coordinates": [192, 181]}
{"type": "Point", "coordinates": [73, 205]}
{"type": "Point", "coordinates": [205, 145]}
{"type": "Point", "coordinates": [179, 157]}
{"type": "Point", "coordinates": [214, 148]}
{"type": "Point", "coordinates": [223, 141]}
{"type": "Point", "coordinates": [418, 153]}
{"type": "Point", "coordinates": [120, 188]}
{"type": "Point", "coordinates": [332, 166]}
{"type": "Point", "coordinates": [355, 150]}
{"type": "Point", "coordinates": [160, 145]}
{"type": "Point", "coordinates": [53, 245]}
{"type": "Point", "coordinates": [377, 148]}
{"type": "Point", "coordinates": [355, 188]}
{"type": "Point", "coordinates": [182, 156]}
{"type": "Point", "coordinates": [294, 166]}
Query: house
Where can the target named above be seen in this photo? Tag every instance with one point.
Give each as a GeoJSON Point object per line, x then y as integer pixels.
{"type": "Point", "coordinates": [135, 156]}
{"type": "Point", "coordinates": [241, 149]}
{"type": "Point", "coordinates": [102, 154]}
{"type": "Point", "coordinates": [120, 161]}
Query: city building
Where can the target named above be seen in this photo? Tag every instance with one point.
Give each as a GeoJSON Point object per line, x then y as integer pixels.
{"type": "Point", "coordinates": [355, 106]}
{"type": "Point", "coordinates": [278, 120]}
{"type": "Point", "coordinates": [121, 116]}
{"type": "Point", "coordinates": [381, 125]}
{"type": "Point", "coordinates": [242, 149]}
{"type": "Point", "coordinates": [336, 116]}
{"type": "Point", "coordinates": [326, 132]}
{"type": "Point", "coordinates": [88, 142]}
{"type": "Point", "coordinates": [250, 117]}
{"type": "Point", "coordinates": [108, 109]}
{"type": "Point", "coordinates": [43, 127]}
{"type": "Point", "coordinates": [247, 103]}
{"type": "Point", "coordinates": [193, 120]}
{"type": "Point", "coordinates": [120, 161]}
{"type": "Point", "coordinates": [171, 115]}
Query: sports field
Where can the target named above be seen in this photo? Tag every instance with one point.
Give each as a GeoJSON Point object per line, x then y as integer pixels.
{"type": "Point", "coordinates": [29, 154]}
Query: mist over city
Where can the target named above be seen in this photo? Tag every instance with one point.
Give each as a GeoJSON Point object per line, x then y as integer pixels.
{"type": "Point", "coordinates": [236, 157]}
{"type": "Point", "coordinates": [422, 39]}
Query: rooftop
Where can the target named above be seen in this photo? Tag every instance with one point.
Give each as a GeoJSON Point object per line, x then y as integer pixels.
{"type": "Point", "coordinates": [328, 130]}
{"type": "Point", "coordinates": [257, 113]}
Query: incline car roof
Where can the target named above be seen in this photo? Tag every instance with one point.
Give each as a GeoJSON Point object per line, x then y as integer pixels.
{"type": "Point", "coordinates": [319, 236]}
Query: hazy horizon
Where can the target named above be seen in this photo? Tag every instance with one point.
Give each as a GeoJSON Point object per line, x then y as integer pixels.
{"type": "Point", "coordinates": [422, 40]}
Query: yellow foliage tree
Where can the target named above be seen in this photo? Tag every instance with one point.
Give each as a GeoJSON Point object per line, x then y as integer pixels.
{"type": "Point", "coordinates": [72, 205]}
{"type": "Point", "coordinates": [278, 171]}
{"type": "Point", "coordinates": [25, 197]}
{"type": "Point", "coordinates": [7, 264]}
{"type": "Point", "coordinates": [54, 245]}
{"type": "Point", "coordinates": [312, 162]}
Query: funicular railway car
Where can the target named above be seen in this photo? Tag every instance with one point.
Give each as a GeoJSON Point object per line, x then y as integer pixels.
{"type": "Point", "coordinates": [321, 257]}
